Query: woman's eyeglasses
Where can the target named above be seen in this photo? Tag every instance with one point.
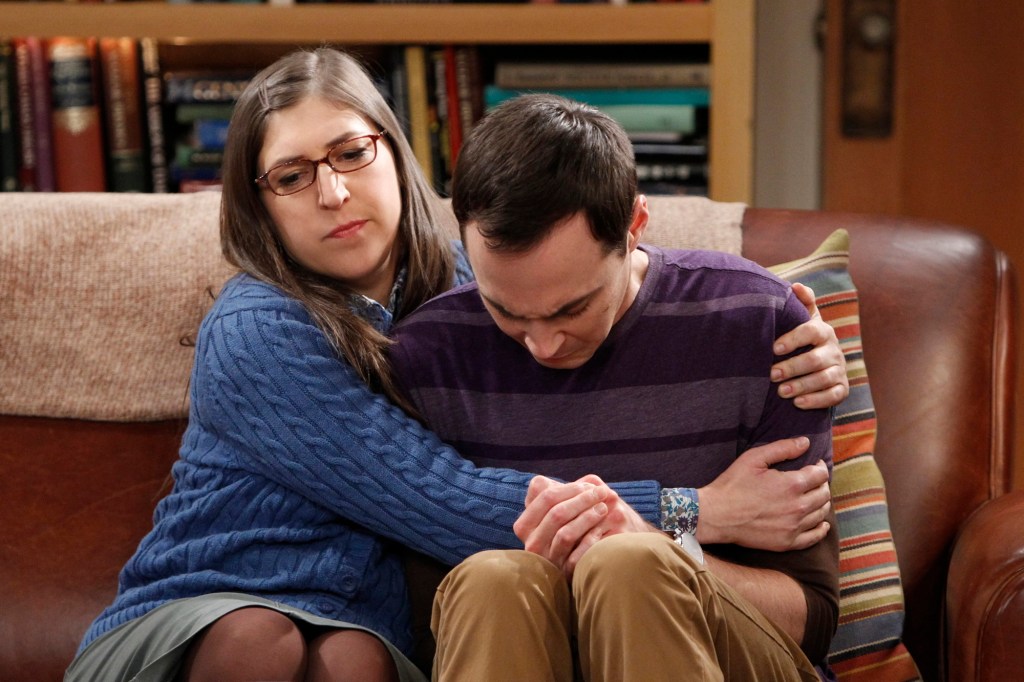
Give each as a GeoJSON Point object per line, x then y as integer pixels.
{"type": "Point", "coordinates": [344, 157]}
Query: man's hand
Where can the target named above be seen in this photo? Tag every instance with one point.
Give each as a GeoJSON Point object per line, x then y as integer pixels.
{"type": "Point", "coordinates": [562, 521]}
{"type": "Point", "coordinates": [816, 378]}
{"type": "Point", "coordinates": [756, 506]}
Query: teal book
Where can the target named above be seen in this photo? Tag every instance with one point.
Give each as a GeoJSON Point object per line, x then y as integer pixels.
{"type": "Point", "coordinates": [602, 97]}
{"type": "Point", "coordinates": [642, 118]}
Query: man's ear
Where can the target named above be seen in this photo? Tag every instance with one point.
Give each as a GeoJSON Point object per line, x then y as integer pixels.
{"type": "Point", "coordinates": [638, 224]}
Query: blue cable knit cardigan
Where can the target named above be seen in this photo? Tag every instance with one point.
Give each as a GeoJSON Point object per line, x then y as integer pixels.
{"type": "Point", "coordinates": [294, 477]}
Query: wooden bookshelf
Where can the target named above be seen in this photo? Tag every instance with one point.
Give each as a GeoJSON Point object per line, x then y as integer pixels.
{"type": "Point", "coordinates": [726, 25]}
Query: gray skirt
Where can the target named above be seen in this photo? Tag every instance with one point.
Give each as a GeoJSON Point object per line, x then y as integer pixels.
{"type": "Point", "coordinates": [152, 647]}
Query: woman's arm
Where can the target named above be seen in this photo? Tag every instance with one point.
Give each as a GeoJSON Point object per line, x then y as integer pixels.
{"type": "Point", "coordinates": [270, 385]}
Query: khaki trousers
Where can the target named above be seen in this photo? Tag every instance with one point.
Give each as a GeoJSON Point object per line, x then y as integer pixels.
{"type": "Point", "coordinates": [640, 610]}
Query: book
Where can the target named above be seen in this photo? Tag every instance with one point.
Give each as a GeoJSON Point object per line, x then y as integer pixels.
{"type": "Point", "coordinates": [680, 118]}
{"type": "Point", "coordinates": [399, 90]}
{"type": "Point", "coordinates": [41, 115]}
{"type": "Point", "coordinates": [156, 142]}
{"type": "Point", "coordinates": [602, 97]}
{"type": "Point", "coordinates": [8, 120]}
{"type": "Point", "coordinates": [671, 187]}
{"type": "Point", "coordinates": [24, 116]}
{"type": "Point", "coordinates": [440, 132]}
{"type": "Point", "coordinates": [451, 90]}
{"type": "Point", "coordinates": [419, 115]}
{"type": "Point", "coordinates": [671, 166]}
{"type": "Point", "coordinates": [667, 171]}
{"type": "Point", "coordinates": [122, 97]}
{"type": "Point", "coordinates": [674, 149]}
{"type": "Point", "coordinates": [468, 86]}
{"type": "Point", "coordinates": [204, 86]}
{"type": "Point", "coordinates": [547, 75]}
{"type": "Point", "coordinates": [198, 106]}
{"type": "Point", "coordinates": [210, 133]}
{"type": "Point", "coordinates": [636, 110]}
{"type": "Point", "coordinates": [77, 129]}
{"type": "Point", "coordinates": [190, 113]}
{"type": "Point", "coordinates": [35, 137]}
{"type": "Point", "coordinates": [188, 156]}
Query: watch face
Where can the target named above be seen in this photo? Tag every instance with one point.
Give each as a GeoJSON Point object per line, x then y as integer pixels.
{"type": "Point", "coordinates": [689, 543]}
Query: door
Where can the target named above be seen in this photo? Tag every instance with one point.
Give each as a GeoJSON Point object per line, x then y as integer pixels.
{"type": "Point", "coordinates": [924, 116]}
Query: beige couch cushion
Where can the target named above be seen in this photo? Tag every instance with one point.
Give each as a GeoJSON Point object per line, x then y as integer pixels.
{"type": "Point", "coordinates": [99, 290]}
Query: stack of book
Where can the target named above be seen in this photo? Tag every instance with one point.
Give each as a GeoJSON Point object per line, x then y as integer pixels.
{"type": "Point", "coordinates": [86, 114]}
{"type": "Point", "coordinates": [662, 106]}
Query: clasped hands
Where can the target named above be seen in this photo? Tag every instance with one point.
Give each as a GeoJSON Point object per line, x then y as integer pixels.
{"type": "Point", "coordinates": [749, 504]}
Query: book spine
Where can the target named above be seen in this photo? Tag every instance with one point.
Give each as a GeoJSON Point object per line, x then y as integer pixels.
{"type": "Point", "coordinates": [187, 156]}
{"type": "Point", "coordinates": [122, 91]}
{"type": "Point", "coordinates": [451, 73]}
{"type": "Point", "coordinates": [440, 142]}
{"type": "Point", "coordinates": [399, 89]}
{"type": "Point", "coordinates": [520, 75]}
{"type": "Point", "coordinates": [42, 116]}
{"type": "Point", "coordinates": [470, 92]}
{"type": "Point", "coordinates": [680, 118]}
{"type": "Point", "coordinates": [419, 116]}
{"type": "Point", "coordinates": [153, 100]}
{"type": "Point", "coordinates": [667, 171]}
{"type": "Point", "coordinates": [35, 149]}
{"type": "Point", "coordinates": [600, 97]}
{"type": "Point", "coordinates": [8, 119]}
{"type": "Point", "coordinates": [27, 163]}
{"type": "Point", "coordinates": [77, 129]}
{"type": "Point", "coordinates": [193, 88]}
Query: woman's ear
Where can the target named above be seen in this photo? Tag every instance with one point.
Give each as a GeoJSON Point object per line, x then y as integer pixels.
{"type": "Point", "coordinates": [638, 223]}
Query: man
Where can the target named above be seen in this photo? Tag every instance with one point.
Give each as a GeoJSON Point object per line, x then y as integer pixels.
{"type": "Point", "coordinates": [579, 352]}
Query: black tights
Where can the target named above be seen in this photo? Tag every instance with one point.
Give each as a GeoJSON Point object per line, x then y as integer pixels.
{"type": "Point", "coordinates": [255, 643]}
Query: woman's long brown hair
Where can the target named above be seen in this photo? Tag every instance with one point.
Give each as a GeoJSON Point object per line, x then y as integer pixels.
{"type": "Point", "coordinates": [249, 237]}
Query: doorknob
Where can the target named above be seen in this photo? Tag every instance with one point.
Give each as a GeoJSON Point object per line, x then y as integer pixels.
{"type": "Point", "coordinates": [868, 50]}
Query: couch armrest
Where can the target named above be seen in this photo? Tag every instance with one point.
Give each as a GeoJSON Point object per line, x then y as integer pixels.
{"type": "Point", "coordinates": [985, 594]}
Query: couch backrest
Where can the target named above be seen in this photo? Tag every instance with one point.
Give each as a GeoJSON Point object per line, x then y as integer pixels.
{"type": "Point", "coordinates": [100, 291]}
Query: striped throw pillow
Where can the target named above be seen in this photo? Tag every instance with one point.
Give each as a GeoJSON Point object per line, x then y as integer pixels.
{"type": "Point", "coordinates": [867, 646]}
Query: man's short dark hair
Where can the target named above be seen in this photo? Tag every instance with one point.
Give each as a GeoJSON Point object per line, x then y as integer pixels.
{"type": "Point", "coordinates": [537, 160]}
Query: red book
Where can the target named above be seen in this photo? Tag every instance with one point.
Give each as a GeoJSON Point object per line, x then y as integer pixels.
{"type": "Point", "coordinates": [77, 129]}
{"type": "Point", "coordinates": [452, 93]}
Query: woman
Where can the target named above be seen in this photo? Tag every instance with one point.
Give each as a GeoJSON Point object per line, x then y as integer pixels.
{"type": "Point", "coordinates": [272, 557]}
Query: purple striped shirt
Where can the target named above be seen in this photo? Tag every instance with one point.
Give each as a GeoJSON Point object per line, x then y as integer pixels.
{"type": "Point", "coordinates": [675, 393]}
{"type": "Point", "coordinates": [681, 385]}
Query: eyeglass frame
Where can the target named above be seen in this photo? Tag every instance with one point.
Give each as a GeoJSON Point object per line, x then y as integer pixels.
{"type": "Point", "coordinates": [263, 180]}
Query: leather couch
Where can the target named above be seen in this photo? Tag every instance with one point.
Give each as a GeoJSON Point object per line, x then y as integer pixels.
{"type": "Point", "coordinates": [937, 309]}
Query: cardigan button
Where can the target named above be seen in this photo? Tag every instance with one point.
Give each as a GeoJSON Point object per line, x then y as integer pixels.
{"type": "Point", "coordinates": [348, 585]}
